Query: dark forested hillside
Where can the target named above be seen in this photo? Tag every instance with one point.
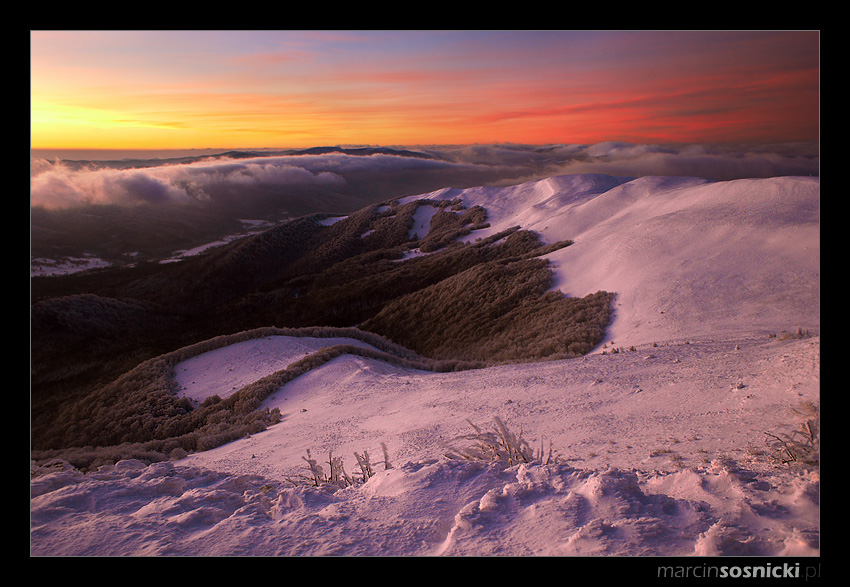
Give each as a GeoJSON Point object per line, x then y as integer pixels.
{"type": "Point", "coordinates": [484, 302]}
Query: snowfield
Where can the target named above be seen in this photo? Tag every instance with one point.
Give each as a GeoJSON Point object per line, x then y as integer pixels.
{"type": "Point", "coordinates": [655, 444]}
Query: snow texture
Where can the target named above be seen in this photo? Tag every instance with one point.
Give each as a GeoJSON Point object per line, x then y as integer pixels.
{"type": "Point", "coordinates": [658, 436]}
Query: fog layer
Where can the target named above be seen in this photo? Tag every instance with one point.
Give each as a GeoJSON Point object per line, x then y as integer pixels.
{"type": "Point", "coordinates": [61, 184]}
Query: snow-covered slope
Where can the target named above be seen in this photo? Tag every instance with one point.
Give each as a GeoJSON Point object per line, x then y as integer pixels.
{"type": "Point", "coordinates": [657, 450]}
{"type": "Point", "coordinates": [688, 258]}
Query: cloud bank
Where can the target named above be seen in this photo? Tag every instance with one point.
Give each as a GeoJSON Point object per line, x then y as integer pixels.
{"type": "Point", "coordinates": [714, 162]}
{"type": "Point", "coordinates": [59, 184]}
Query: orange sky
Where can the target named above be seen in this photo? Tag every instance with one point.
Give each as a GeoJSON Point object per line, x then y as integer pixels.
{"type": "Point", "coordinates": [279, 89]}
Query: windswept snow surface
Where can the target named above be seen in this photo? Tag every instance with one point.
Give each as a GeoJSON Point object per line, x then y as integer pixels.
{"type": "Point", "coordinates": [658, 450]}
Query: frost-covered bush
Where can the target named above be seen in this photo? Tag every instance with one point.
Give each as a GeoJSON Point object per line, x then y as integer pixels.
{"type": "Point", "coordinates": [499, 445]}
{"type": "Point", "coordinates": [337, 477]}
{"type": "Point", "coordinates": [499, 311]}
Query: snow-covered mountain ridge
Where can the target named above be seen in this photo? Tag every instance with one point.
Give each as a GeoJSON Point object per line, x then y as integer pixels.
{"type": "Point", "coordinates": [686, 257]}
{"type": "Point", "coordinates": [661, 447]}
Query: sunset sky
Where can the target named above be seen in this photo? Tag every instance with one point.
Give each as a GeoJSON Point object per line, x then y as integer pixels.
{"type": "Point", "coordinates": [290, 89]}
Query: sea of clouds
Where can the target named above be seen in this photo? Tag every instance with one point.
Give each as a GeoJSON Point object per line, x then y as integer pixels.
{"type": "Point", "coordinates": [60, 184]}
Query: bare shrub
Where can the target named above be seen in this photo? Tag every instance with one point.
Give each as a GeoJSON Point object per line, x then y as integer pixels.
{"type": "Point", "coordinates": [801, 445]}
{"type": "Point", "coordinates": [797, 334]}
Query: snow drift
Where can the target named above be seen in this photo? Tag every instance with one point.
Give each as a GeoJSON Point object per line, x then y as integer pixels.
{"type": "Point", "coordinates": [658, 438]}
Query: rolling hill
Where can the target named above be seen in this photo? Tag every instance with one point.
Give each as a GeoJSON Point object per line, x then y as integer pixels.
{"type": "Point", "coordinates": [650, 335]}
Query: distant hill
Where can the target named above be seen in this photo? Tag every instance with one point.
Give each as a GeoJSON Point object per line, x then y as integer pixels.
{"type": "Point", "coordinates": [136, 162]}
{"type": "Point", "coordinates": [363, 151]}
